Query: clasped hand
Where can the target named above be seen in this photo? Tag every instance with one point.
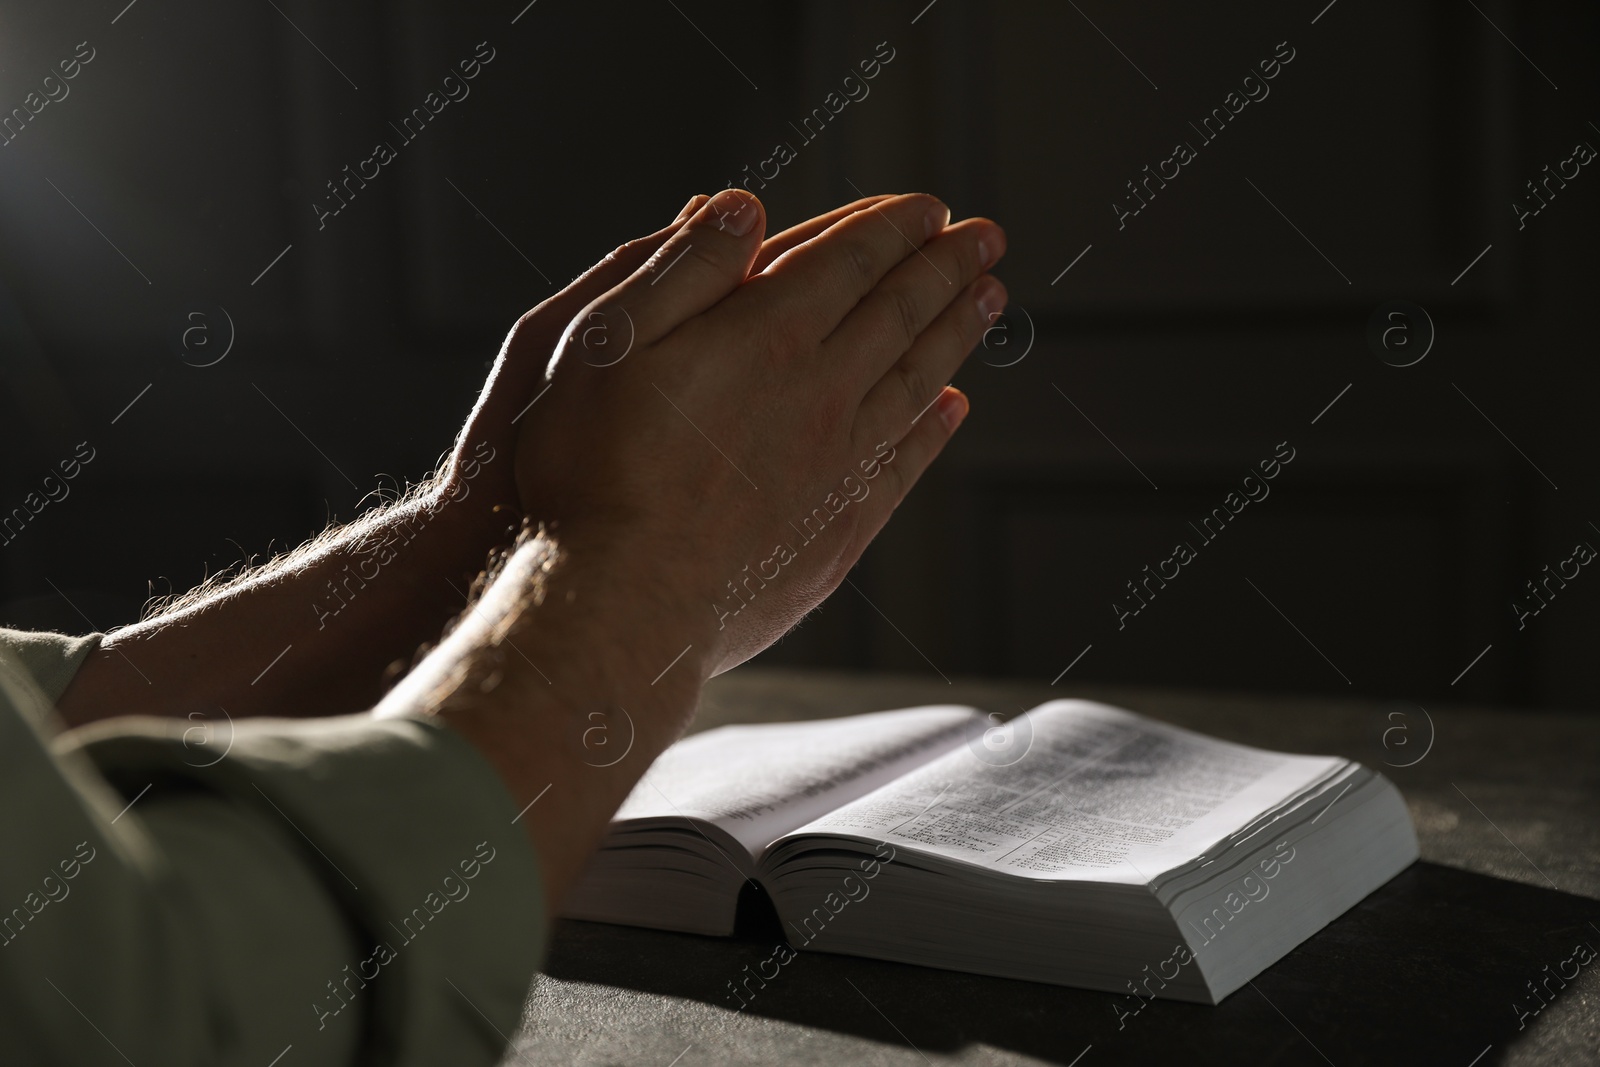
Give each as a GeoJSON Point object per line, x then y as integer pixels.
{"type": "Point", "coordinates": [706, 393]}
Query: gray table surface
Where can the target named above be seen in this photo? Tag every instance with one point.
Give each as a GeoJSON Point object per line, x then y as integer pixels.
{"type": "Point", "coordinates": [1426, 970]}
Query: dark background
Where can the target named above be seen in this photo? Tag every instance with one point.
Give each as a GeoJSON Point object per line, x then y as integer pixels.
{"type": "Point", "coordinates": [1176, 353]}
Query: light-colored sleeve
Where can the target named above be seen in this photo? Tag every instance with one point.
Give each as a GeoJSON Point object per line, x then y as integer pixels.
{"type": "Point", "coordinates": [48, 660]}
{"type": "Point", "coordinates": [330, 891]}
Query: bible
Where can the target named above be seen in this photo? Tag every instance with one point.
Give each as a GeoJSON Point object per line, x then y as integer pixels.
{"type": "Point", "coordinates": [1076, 844]}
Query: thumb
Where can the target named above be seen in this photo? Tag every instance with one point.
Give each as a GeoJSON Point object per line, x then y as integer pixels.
{"type": "Point", "coordinates": [699, 265]}
{"type": "Point", "coordinates": [519, 371]}
{"type": "Point", "coordinates": [547, 321]}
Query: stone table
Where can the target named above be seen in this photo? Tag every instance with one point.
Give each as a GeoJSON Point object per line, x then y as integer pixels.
{"type": "Point", "coordinates": [1425, 970]}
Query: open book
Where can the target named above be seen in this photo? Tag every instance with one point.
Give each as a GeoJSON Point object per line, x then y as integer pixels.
{"type": "Point", "coordinates": [1077, 844]}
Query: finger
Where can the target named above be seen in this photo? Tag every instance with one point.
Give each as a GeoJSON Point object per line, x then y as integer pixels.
{"type": "Point", "coordinates": [617, 267]}
{"type": "Point", "coordinates": [545, 322]}
{"type": "Point", "coordinates": [773, 247]}
{"type": "Point", "coordinates": [706, 259]}
{"type": "Point", "coordinates": [819, 282]}
{"type": "Point", "coordinates": [526, 353]}
{"type": "Point", "coordinates": [887, 323]}
{"type": "Point", "coordinates": [910, 456]}
{"type": "Point", "coordinates": [900, 399]}
{"type": "Point", "coordinates": [696, 202]}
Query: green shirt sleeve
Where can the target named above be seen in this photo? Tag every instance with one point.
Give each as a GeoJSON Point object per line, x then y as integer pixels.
{"type": "Point", "coordinates": [49, 660]}
{"type": "Point", "coordinates": [331, 891]}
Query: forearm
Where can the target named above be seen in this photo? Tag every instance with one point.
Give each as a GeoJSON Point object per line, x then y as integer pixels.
{"type": "Point", "coordinates": [311, 633]}
{"type": "Point", "coordinates": [557, 676]}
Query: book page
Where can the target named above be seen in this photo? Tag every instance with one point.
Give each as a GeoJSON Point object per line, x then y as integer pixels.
{"type": "Point", "coordinates": [758, 782]}
{"type": "Point", "coordinates": [1084, 791]}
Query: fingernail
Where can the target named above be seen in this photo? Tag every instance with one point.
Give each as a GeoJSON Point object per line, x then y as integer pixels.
{"type": "Point", "coordinates": [733, 210]}
{"type": "Point", "coordinates": [952, 408]}
{"type": "Point", "coordinates": [991, 296]}
{"type": "Point", "coordinates": [991, 246]}
{"type": "Point", "coordinates": [938, 216]}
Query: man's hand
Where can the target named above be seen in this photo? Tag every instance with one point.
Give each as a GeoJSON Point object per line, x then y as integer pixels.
{"type": "Point", "coordinates": [518, 378]}
{"type": "Point", "coordinates": [738, 438]}
{"type": "Point", "coordinates": [313, 632]}
{"type": "Point", "coordinates": [733, 417]}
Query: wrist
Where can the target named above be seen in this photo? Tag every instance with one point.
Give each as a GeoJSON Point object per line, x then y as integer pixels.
{"type": "Point", "coordinates": [568, 683]}
{"type": "Point", "coordinates": [475, 494]}
{"type": "Point", "coordinates": [593, 604]}
{"type": "Point", "coordinates": [570, 619]}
